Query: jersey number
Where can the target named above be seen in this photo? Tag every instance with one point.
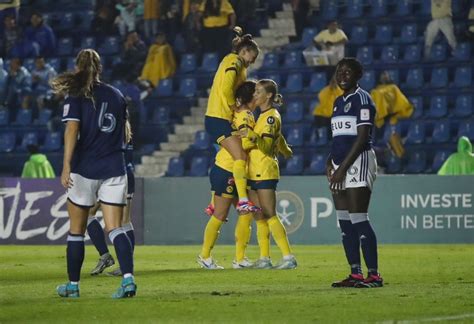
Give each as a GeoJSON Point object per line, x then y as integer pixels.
{"type": "Point", "coordinates": [104, 126]}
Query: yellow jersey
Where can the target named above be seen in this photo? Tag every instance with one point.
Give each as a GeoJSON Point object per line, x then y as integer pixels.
{"type": "Point", "coordinates": [222, 19]}
{"type": "Point", "coordinates": [229, 76]}
{"type": "Point", "coordinates": [264, 165]}
{"type": "Point", "coordinates": [243, 118]}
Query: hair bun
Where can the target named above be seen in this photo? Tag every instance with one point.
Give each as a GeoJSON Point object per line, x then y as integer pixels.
{"type": "Point", "coordinates": [278, 99]}
{"type": "Point", "coordinates": [238, 31]}
{"type": "Point", "coordinates": [247, 37]}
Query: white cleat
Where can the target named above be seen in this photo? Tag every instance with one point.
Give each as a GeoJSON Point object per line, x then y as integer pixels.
{"type": "Point", "coordinates": [286, 263]}
{"type": "Point", "coordinates": [209, 263]}
{"type": "Point", "coordinates": [244, 264]}
{"type": "Point", "coordinates": [263, 263]}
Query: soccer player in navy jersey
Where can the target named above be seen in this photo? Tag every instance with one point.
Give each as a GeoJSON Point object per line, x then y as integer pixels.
{"type": "Point", "coordinates": [351, 170]}
{"type": "Point", "coordinates": [94, 165]}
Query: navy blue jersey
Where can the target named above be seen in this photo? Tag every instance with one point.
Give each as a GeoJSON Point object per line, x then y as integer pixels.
{"type": "Point", "coordinates": [99, 149]}
{"type": "Point", "coordinates": [350, 112]}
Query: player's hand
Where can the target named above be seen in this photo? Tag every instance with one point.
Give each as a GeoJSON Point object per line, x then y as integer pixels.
{"type": "Point", "coordinates": [66, 180]}
{"type": "Point", "coordinates": [336, 180]}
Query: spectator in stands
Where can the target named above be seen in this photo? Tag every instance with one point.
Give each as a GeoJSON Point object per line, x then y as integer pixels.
{"type": "Point", "coordinates": [37, 165]}
{"type": "Point", "coordinates": [127, 19]}
{"type": "Point", "coordinates": [461, 162]}
{"type": "Point", "coordinates": [151, 17]}
{"type": "Point", "coordinates": [390, 102]}
{"type": "Point", "coordinates": [301, 10]}
{"type": "Point", "coordinates": [11, 34]}
{"type": "Point", "coordinates": [160, 62]}
{"type": "Point", "coordinates": [470, 30]}
{"type": "Point", "coordinates": [40, 76]}
{"type": "Point", "coordinates": [17, 86]}
{"type": "Point", "coordinates": [332, 42]}
{"type": "Point", "coordinates": [3, 78]}
{"type": "Point", "coordinates": [442, 20]}
{"type": "Point", "coordinates": [323, 110]}
{"type": "Point", "coordinates": [9, 8]}
{"type": "Point", "coordinates": [192, 27]}
{"type": "Point", "coordinates": [245, 11]}
{"type": "Point", "coordinates": [103, 22]}
{"type": "Point", "coordinates": [42, 34]}
{"type": "Point", "coordinates": [218, 21]}
{"type": "Point", "coordinates": [132, 58]}
{"type": "Point", "coordinates": [24, 48]}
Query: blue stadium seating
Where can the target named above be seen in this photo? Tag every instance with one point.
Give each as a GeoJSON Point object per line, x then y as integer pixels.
{"type": "Point", "coordinates": [317, 164]}
{"type": "Point", "coordinates": [322, 136]}
{"type": "Point", "coordinates": [417, 106]}
{"type": "Point", "coordinates": [24, 117]}
{"type": "Point", "coordinates": [67, 21]}
{"type": "Point", "coordinates": [85, 18]}
{"type": "Point", "coordinates": [368, 80]}
{"type": "Point", "coordinates": [416, 162]}
{"type": "Point", "coordinates": [88, 42]}
{"type": "Point", "coordinates": [354, 8]}
{"type": "Point", "coordinates": [188, 63]}
{"type": "Point", "coordinates": [438, 107]}
{"type": "Point", "coordinates": [412, 54]}
{"type": "Point", "coordinates": [294, 112]}
{"type": "Point", "coordinates": [416, 132]}
{"type": "Point", "coordinates": [394, 164]}
{"type": "Point", "coordinates": [4, 117]}
{"type": "Point", "coordinates": [110, 46]}
{"type": "Point", "coordinates": [383, 34]}
{"type": "Point", "coordinates": [52, 142]}
{"type": "Point", "coordinates": [462, 52]}
{"type": "Point", "coordinates": [210, 61]}
{"type": "Point", "coordinates": [308, 35]}
{"type": "Point", "coordinates": [295, 136]}
{"type": "Point", "coordinates": [293, 59]}
{"type": "Point", "coordinates": [466, 128]}
{"type": "Point", "coordinates": [439, 158]}
{"type": "Point", "coordinates": [403, 8]}
{"type": "Point", "coordinates": [161, 116]}
{"type": "Point", "coordinates": [188, 87]}
{"type": "Point", "coordinates": [273, 76]}
{"type": "Point", "coordinates": [55, 63]}
{"type": "Point", "coordinates": [329, 9]}
{"type": "Point", "coordinates": [7, 142]}
{"type": "Point", "coordinates": [270, 61]}
{"type": "Point", "coordinates": [438, 53]}
{"type": "Point", "coordinates": [30, 138]}
{"type": "Point", "coordinates": [390, 54]}
{"type": "Point", "coordinates": [295, 165]}
{"type": "Point", "coordinates": [414, 79]}
{"type": "Point", "coordinates": [199, 166]}
{"type": "Point", "coordinates": [394, 75]}
{"type": "Point", "coordinates": [202, 140]}
{"type": "Point", "coordinates": [378, 8]}
{"type": "Point", "coordinates": [294, 83]}
{"type": "Point", "coordinates": [359, 35]}
{"type": "Point", "coordinates": [164, 88]}
{"type": "Point", "coordinates": [463, 77]}
{"type": "Point", "coordinates": [365, 55]}
{"type": "Point", "coordinates": [463, 106]}
{"type": "Point", "coordinates": [408, 34]}
{"type": "Point", "coordinates": [317, 82]}
{"type": "Point", "coordinates": [175, 167]}
{"type": "Point", "coordinates": [65, 46]}
{"type": "Point", "coordinates": [439, 78]}
{"type": "Point", "coordinates": [441, 131]}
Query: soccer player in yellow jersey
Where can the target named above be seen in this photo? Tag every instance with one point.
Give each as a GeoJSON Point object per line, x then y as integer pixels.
{"type": "Point", "coordinates": [264, 173]}
{"type": "Point", "coordinates": [231, 73]}
{"type": "Point", "coordinates": [224, 188]}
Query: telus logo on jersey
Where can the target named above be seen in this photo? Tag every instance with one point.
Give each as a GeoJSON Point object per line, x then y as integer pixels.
{"type": "Point", "coordinates": [290, 210]}
{"type": "Point", "coordinates": [344, 125]}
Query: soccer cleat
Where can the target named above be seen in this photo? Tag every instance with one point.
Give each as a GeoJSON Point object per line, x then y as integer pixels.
{"type": "Point", "coordinates": [68, 290]}
{"type": "Point", "coordinates": [116, 273]}
{"type": "Point", "coordinates": [263, 263]}
{"type": "Point", "coordinates": [286, 264]}
{"type": "Point", "coordinates": [208, 263]}
{"type": "Point", "coordinates": [209, 210]}
{"type": "Point", "coordinates": [128, 288]}
{"type": "Point", "coordinates": [245, 263]}
{"type": "Point", "coordinates": [244, 207]}
{"type": "Point", "coordinates": [105, 261]}
{"type": "Point", "coordinates": [372, 281]}
{"type": "Point", "coordinates": [350, 282]}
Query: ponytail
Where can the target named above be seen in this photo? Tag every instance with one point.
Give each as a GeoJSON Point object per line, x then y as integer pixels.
{"type": "Point", "coordinates": [240, 41]}
{"type": "Point", "coordinates": [270, 86]}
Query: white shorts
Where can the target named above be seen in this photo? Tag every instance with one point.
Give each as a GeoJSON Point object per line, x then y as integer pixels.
{"type": "Point", "coordinates": [362, 172]}
{"type": "Point", "coordinates": [86, 192]}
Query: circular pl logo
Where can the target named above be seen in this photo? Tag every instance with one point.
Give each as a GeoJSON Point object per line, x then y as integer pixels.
{"type": "Point", "coordinates": [290, 210]}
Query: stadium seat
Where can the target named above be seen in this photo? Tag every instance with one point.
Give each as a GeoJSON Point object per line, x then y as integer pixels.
{"type": "Point", "coordinates": [308, 35]}
{"type": "Point", "coordinates": [383, 34]}
{"type": "Point", "coordinates": [438, 107]}
{"type": "Point", "coordinates": [24, 117]}
{"type": "Point", "coordinates": [394, 164]}
{"type": "Point", "coordinates": [321, 136]}
{"type": "Point", "coordinates": [466, 128]}
{"type": "Point", "coordinates": [329, 10]}
{"type": "Point", "coordinates": [439, 78]}
{"type": "Point", "coordinates": [294, 83]}
{"type": "Point", "coordinates": [175, 167]}
{"type": "Point", "coordinates": [368, 80]}
{"type": "Point", "coordinates": [110, 46]}
{"type": "Point", "coordinates": [425, 7]}
{"type": "Point", "coordinates": [55, 63]}
{"type": "Point", "coordinates": [164, 88]}
{"type": "Point", "coordinates": [70, 63]}
{"type": "Point", "coordinates": [187, 87]}
{"type": "Point", "coordinates": [416, 162]}
{"type": "Point", "coordinates": [199, 166]}
{"type": "Point", "coordinates": [414, 79]}
{"type": "Point", "coordinates": [88, 42]}
{"type": "Point", "coordinates": [317, 82]}
{"type": "Point", "coordinates": [7, 142]}
{"type": "Point", "coordinates": [294, 112]}
{"type": "Point", "coordinates": [295, 136]}
{"type": "Point", "coordinates": [293, 59]}
{"type": "Point", "coordinates": [270, 61]}
{"type": "Point", "coordinates": [417, 103]}
{"type": "Point", "coordinates": [441, 131]}
{"type": "Point", "coordinates": [161, 116]}
{"type": "Point", "coordinates": [64, 47]}
{"type": "Point", "coordinates": [188, 63]}
{"type": "Point", "coordinates": [463, 77]}
{"type": "Point", "coordinates": [317, 164]}
{"type": "Point", "coordinates": [389, 54]}
{"type": "Point", "coordinates": [85, 19]}
{"type": "Point", "coordinates": [389, 129]}
{"type": "Point", "coordinates": [273, 76]}
{"type": "Point", "coordinates": [438, 160]}
{"type": "Point", "coordinates": [44, 116]}
{"type": "Point", "coordinates": [354, 8]}
{"type": "Point", "coordinates": [412, 54]}
{"type": "Point", "coordinates": [394, 75]}
{"type": "Point", "coordinates": [408, 34]}
{"type": "Point", "coordinates": [30, 138]}
{"type": "Point", "coordinates": [416, 133]}
{"type": "Point", "coordinates": [365, 55]}
{"type": "Point", "coordinates": [295, 165]}
{"type": "Point", "coordinates": [4, 117]}
{"type": "Point", "coordinates": [462, 52]}
{"type": "Point", "coordinates": [463, 106]}
{"type": "Point", "coordinates": [359, 35]}
{"type": "Point", "coordinates": [52, 142]}
{"type": "Point", "coordinates": [202, 140]}
{"type": "Point", "coordinates": [67, 22]}
{"type": "Point", "coordinates": [403, 8]}
{"type": "Point", "coordinates": [378, 8]}
{"type": "Point", "coordinates": [210, 62]}
{"type": "Point", "coordinates": [438, 53]}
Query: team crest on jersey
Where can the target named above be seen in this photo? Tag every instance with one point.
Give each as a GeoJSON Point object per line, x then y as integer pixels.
{"type": "Point", "coordinates": [229, 189]}
{"type": "Point", "coordinates": [347, 107]}
{"type": "Point", "coordinates": [353, 170]}
{"type": "Point", "coordinates": [271, 120]}
{"type": "Point", "coordinates": [290, 210]}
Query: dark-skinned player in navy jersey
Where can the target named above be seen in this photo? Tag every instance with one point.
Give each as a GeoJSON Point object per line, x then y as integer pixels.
{"type": "Point", "coordinates": [351, 170]}
{"type": "Point", "coordinates": [94, 165]}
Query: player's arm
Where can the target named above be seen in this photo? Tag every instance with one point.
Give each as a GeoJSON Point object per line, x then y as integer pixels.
{"type": "Point", "coordinates": [230, 78]}
{"type": "Point", "coordinates": [70, 141]}
{"type": "Point", "coordinates": [264, 143]}
{"type": "Point", "coordinates": [283, 147]}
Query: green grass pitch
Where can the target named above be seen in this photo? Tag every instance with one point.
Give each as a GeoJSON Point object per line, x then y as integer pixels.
{"type": "Point", "coordinates": [423, 283]}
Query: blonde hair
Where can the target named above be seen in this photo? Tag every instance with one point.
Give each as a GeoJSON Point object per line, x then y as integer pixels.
{"type": "Point", "coordinates": [80, 82]}
{"type": "Point", "coordinates": [128, 131]}
{"type": "Point", "coordinates": [270, 86]}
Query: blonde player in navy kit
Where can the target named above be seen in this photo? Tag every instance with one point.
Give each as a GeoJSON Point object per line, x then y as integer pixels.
{"type": "Point", "coordinates": [351, 170]}
{"type": "Point", "coordinates": [94, 165]}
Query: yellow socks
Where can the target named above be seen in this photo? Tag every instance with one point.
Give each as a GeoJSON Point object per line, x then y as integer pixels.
{"type": "Point", "coordinates": [210, 236]}
{"type": "Point", "coordinates": [242, 235]}
{"type": "Point", "coordinates": [279, 235]}
{"type": "Point", "coordinates": [240, 178]}
{"type": "Point", "coordinates": [263, 237]}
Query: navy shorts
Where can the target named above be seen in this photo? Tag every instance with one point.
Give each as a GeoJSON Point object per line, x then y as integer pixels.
{"type": "Point", "coordinates": [222, 182]}
{"type": "Point", "coordinates": [218, 128]}
{"type": "Point", "coordinates": [262, 184]}
{"type": "Point", "coordinates": [130, 184]}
